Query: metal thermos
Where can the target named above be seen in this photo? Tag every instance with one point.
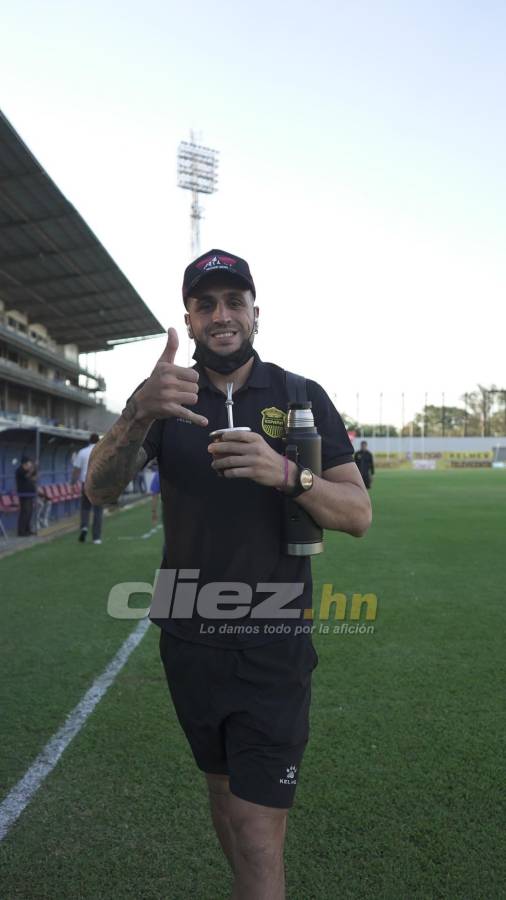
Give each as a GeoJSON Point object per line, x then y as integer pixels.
{"type": "Point", "coordinates": [301, 535]}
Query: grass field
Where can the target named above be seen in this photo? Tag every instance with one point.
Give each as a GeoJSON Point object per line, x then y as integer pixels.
{"type": "Point", "coordinates": [402, 787]}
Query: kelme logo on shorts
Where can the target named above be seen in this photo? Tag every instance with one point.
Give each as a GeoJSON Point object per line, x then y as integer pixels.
{"type": "Point", "coordinates": [290, 776]}
{"type": "Point", "coordinates": [274, 422]}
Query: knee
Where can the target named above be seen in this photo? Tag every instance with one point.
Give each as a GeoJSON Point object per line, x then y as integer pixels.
{"type": "Point", "coordinates": [259, 843]}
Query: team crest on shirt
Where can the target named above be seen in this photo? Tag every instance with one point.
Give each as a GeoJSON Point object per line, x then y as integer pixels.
{"type": "Point", "coordinates": [274, 422]}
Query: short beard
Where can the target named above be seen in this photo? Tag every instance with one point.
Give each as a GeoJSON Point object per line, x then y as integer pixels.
{"type": "Point", "coordinates": [229, 362]}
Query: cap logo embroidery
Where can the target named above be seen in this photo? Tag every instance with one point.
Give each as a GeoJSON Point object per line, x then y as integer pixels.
{"type": "Point", "coordinates": [216, 262]}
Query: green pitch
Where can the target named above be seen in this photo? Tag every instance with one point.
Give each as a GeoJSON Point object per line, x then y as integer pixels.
{"type": "Point", "coordinates": [401, 792]}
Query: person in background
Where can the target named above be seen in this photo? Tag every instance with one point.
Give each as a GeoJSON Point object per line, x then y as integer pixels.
{"type": "Point", "coordinates": [42, 503]}
{"type": "Point", "coordinates": [140, 482]}
{"type": "Point", "coordinates": [26, 489]}
{"type": "Point", "coordinates": [155, 494]}
{"type": "Point", "coordinates": [79, 474]}
{"type": "Point", "coordinates": [365, 462]}
{"type": "Point", "coordinates": [43, 507]}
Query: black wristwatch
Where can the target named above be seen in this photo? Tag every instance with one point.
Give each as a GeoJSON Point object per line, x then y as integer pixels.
{"type": "Point", "coordinates": [304, 482]}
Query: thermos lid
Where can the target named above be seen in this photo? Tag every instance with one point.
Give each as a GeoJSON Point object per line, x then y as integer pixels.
{"type": "Point", "coordinates": [306, 405]}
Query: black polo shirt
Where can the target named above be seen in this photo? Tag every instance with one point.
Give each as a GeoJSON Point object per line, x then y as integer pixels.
{"type": "Point", "coordinates": [230, 529]}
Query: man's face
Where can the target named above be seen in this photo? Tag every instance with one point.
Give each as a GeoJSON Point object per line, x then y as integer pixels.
{"type": "Point", "coordinates": [363, 445]}
{"type": "Point", "coordinates": [221, 313]}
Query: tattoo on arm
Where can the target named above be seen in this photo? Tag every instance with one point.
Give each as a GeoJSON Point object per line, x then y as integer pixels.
{"type": "Point", "coordinates": [130, 410]}
{"type": "Point", "coordinates": [117, 458]}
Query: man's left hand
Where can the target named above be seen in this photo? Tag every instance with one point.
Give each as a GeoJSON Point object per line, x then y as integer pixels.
{"type": "Point", "coordinates": [245, 454]}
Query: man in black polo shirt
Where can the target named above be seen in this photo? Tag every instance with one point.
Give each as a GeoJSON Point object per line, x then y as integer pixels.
{"type": "Point", "coordinates": [365, 462]}
{"type": "Point", "coordinates": [26, 489]}
{"type": "Point", "coordinates": [241, 693]}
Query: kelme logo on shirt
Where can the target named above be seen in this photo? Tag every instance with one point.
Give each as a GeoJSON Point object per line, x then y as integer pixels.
{"type": "Point", "coordinates": [274, 422]}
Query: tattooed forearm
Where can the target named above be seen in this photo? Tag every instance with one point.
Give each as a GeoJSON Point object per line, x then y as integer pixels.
{"type": "Point", "coordinates": [117, 457]}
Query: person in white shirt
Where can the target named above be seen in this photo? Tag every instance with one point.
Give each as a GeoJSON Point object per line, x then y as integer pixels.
{"type": "Point", "coordinates": [79, 474]}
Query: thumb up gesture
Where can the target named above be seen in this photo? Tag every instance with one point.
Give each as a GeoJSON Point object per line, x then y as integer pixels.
{"type": "Point", "coordinates": [169, 388]}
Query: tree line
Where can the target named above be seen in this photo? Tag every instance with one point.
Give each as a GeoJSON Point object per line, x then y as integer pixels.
{"type": "Point", "coordinates": [482, 413]}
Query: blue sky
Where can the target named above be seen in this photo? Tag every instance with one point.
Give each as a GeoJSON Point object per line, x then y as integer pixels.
{"type": "Point", "coordinates": [362, 173]}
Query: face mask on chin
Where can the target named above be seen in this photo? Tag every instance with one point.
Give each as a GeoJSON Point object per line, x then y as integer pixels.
{"type": "Point", "coordinates": [203, 356]}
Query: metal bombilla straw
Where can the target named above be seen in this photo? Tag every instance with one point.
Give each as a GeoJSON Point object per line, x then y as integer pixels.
{"type": "Point", "coordinates": [221, 433]}
{"type": "Point", "coordinates": [229, 404]}
{"type": "Point", "coordinates": [230, 416]}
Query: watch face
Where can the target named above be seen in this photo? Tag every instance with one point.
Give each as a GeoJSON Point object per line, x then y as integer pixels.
{"type": "Point", "coordinates": [306, 479]}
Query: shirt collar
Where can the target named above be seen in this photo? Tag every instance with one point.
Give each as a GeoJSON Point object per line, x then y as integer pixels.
{"type": "Point", "coordinates": [259, 377]}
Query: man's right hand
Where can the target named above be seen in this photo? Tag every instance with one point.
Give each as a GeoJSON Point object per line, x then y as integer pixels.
{"type": "Point", "coordinates": [169, 389]}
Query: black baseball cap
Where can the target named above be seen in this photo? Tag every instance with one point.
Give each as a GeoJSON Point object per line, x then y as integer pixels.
{"type": "Point", "coordinates": [216, 261]}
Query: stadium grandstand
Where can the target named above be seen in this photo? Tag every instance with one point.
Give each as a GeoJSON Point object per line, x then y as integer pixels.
{"type": "Point", "coordinates": [61, 296]}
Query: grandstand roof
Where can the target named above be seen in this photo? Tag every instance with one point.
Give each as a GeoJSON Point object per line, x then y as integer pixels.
{"type": "Point", "coordinates": [52, 267]}
{"type": "Point", "coordinates": [16, 428]}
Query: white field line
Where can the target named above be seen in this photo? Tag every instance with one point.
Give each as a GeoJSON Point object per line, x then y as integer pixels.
{"type": "Point", "coordinates": [22, 793]}
{"type": "Point", "coordinates": [142, 537]}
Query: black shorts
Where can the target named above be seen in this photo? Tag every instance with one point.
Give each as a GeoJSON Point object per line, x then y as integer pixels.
{"type": "Point", "coordinates": [245, 712]}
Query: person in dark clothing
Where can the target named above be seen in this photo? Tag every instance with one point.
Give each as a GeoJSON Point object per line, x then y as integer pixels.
{"type": "Point", "coordinates": [365, 462]}
{"type": "Point", "coordinates": [26, 490]}
{"type": "Point", "coordinates": [80, 468]}
{"type": "Point", "coordinates": [242, 697]}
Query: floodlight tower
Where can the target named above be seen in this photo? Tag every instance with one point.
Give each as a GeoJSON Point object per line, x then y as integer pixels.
{"type": "Point", "coordinates": [197, 171]}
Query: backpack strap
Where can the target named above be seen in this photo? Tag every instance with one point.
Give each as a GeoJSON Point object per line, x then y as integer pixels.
{"type": "Point", "coordinates": [296, 388]}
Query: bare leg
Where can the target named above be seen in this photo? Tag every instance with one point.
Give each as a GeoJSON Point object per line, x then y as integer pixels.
{"type": "Point", "coordinates": [252, 837]}
{"type": "Point", "coordinates": [260, 836]}
{"type": "Point", "coordinates": [219, 798]}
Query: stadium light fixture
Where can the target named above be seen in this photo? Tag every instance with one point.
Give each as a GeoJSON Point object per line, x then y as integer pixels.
{"type": "Point", "coordinates": [197, 171]}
